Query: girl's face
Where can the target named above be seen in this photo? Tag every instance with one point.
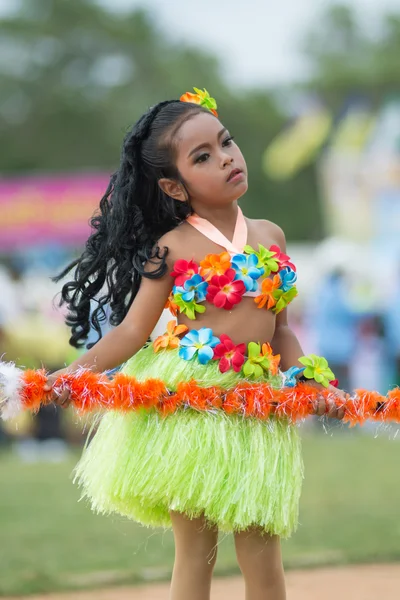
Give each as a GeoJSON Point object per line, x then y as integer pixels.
{"type": "Point", "coordinates": [209, 162]}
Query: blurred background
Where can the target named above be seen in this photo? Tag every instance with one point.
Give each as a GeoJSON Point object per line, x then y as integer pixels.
{"type": "Point", "coordinates": [311, 91]}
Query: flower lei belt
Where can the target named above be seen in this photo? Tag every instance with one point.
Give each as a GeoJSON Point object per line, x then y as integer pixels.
{"type": "Point", "coordinates": [222, 280]}
{"type": "Point", "coordinates": [23, 390]}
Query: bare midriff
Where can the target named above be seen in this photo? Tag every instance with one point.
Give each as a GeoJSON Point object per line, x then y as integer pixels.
{"type": "Point", "coordinates": [244, 323]}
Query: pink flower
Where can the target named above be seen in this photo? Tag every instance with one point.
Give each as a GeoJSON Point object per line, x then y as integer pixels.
{"type": "Point", "coordinates": [282, 258]}
{"type": "Point", "coordinates": [184, 270]}
{"type": "Point", "coordinates": [229, 355]}
{"type": "Point", "coordinates": [224, 292]}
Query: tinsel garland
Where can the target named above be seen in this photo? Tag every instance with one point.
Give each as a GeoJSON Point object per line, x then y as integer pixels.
{"type": "Point", "coordinates": [89, 391]}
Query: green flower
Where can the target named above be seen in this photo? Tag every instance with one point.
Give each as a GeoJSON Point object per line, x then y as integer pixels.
{"type": "Point", "coordinates": [265, 257]}
{"type": "Point", "coordinates": [257, 362]}
{"type": "Point", "coordinates": [206, 99]}
{"type": "Point", "coordinates": [283, 298]}
{"type": "Point", "coordinates": [188, 308]}
{"type": "Point", "coordinates": [201, 97]}
{"type": "Point", "coordinates": [317, 368]}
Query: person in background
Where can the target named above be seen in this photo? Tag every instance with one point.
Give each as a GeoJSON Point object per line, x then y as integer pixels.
{"type": "Point", "coordinates": [391, 324]}
{"type": "Point", "coordinates": [335, 324]}
{"type": "Point", "coordinates": [370, 369]}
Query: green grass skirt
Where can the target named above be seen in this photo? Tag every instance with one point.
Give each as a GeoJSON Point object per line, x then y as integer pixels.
{"type": "Point", "coordinates": [236, 471]}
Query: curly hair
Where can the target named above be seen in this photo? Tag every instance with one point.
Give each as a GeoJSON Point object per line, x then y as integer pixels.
{"type": "Point", "coordinates": [133, 214]}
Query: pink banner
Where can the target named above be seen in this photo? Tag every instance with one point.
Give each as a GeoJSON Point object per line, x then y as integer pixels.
{"type": "Point", "coordinates": [36, 210]}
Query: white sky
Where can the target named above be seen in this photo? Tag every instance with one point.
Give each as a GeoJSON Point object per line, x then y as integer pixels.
{"type": "Point", "coordinates": [257, 40]}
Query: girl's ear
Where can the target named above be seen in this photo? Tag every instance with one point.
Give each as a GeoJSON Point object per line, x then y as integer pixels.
{"type": "Point", "coordinates": [174, 189]}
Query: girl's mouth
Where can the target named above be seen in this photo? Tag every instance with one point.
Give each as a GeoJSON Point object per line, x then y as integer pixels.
{"type": "Point", "coordinates": [235, 175]}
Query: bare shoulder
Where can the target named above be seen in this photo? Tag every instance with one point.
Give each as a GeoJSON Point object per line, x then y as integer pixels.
{"type": "Point", "coordinates": [269, 232]}
{"type": "Point", "coordinates": [176, 241]}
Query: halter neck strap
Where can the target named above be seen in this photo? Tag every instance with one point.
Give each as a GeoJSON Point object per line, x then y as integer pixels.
{"type": "Point", "coordinates": [209, 230]}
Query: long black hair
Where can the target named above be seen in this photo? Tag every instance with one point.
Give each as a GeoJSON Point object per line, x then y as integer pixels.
{"type": "Point", "coordinates": [133, 214]}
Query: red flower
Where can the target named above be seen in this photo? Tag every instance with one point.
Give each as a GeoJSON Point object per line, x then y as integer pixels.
{"type": "Point", "coordinates": [184, 270]}
{"type": "Point", "coordinates": [229, 355]}
{"type": "Point", "coordinates": [283, 259]}
{"type": "Point", "coordinates": [223, 291]}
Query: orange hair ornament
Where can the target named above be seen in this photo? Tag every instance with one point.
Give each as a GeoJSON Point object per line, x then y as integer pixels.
{"type": "Point", "coordinates": [201, 97]}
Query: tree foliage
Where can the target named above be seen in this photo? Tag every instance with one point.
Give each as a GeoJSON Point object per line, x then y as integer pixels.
{"type": "Point", "coordinates": [74, 76]}
{"type": "Point", "coordinates": [350, 58]}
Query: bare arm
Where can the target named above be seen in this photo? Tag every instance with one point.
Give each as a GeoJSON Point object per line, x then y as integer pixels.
{"type": "Point", "coordinates": [286, 343]}
{"type": "Point", "coordinates": [126, 339]}
{"type": "Point", "coordinates": [122, 342]}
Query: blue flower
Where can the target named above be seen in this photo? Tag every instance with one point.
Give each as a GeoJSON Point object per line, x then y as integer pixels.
{"type": "Point", "coordinates": [194, 288]}
{"type": "Point", "coordinates": [290, 376]}
{"type": "Point", "coordinates": [198, 342]}
{"type": "Point", "coordinates": [246, 270]}
{"type": "Point", "coordinates": [288, 278]}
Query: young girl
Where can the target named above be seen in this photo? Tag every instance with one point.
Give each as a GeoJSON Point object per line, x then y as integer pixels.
{"type": "Point", "coordinates": [170, 231]}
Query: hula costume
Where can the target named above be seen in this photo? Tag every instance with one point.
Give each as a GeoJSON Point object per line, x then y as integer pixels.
{"type": "Point", "coordinates": [203, 457]}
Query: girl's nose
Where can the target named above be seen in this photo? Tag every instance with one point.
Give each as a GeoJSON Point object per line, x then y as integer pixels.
{"type": "Point", "coordinates": [226, 160]}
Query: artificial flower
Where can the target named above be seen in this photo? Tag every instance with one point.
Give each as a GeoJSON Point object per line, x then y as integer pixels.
{"type": "Point", "coordinates": [259, 360]}
{"type": "Point", "coordinates": [282, 258]}
{"type": "Point", "coordinates": [201, 97]}
{"type": "Point", "coordinates": [215, 264]}
{"type": "Point", "coordinates": [194, 288]}
{"type": "Point", "coordinates": [229, 355]}
{"type": "Point", "coordinates": [274, 359]}
{"type": "Point", "coordinates": [184, 270]}
{"type": "Point", "coordinates": [290, 377]}
{"type": "Point", "coordinates": [266, 259]}
{"type": "Point", "coordinates": [288, 278]}
{"type": "Point", "coordinates": [171, 338]}
{"type": "Point", "coordinates": [198, 343]}
{"type": "Point", "coordinates": [283, 298]}
{"type": "Point", "coordinates": [268, 287]}
{"type": "Point", "coordinates": [171, 305]}
{"type": "Point", "coordinates": [188, 308]}
{"type": "Point", "coordinates": [224, 292]}
{"type": "Point", "coordinates": [316, 367]}
{"type": "Point", "coordinates": [246, 270]}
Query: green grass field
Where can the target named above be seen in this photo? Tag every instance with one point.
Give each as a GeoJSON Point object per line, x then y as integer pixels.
{"type": "Point", "coordinates": [350, 512]}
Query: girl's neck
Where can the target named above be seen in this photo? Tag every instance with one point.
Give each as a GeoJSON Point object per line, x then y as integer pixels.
{"type": "Point", "coordinates": [223, 218]}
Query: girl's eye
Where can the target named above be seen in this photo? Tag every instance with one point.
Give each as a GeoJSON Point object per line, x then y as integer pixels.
{"type": "Point", "coordinates": [228, 141]}
{"type": "Point", "coordinates": [202, 158]}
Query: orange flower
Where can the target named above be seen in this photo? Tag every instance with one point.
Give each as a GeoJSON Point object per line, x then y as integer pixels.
{"type": "Point", "coordinates": [268, 287]}
{"type": "Point", "coordinates": [171, 338]}
{"type": "Point", "coordinates": [201, 97]}
{"type": "Point", "coordinates": [171, 305]}
{"type": "Point", "coordinates": [274, 360]}
{"type": "Point", "coordinates": [215, 264]}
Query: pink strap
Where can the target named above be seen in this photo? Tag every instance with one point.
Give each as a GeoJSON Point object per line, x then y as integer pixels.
{"type": "Point", "coordinates": [239, 240]}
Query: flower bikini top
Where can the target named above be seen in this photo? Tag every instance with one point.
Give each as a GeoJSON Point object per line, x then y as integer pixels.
{"type": "Point", "coordinates": [223, 279]}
